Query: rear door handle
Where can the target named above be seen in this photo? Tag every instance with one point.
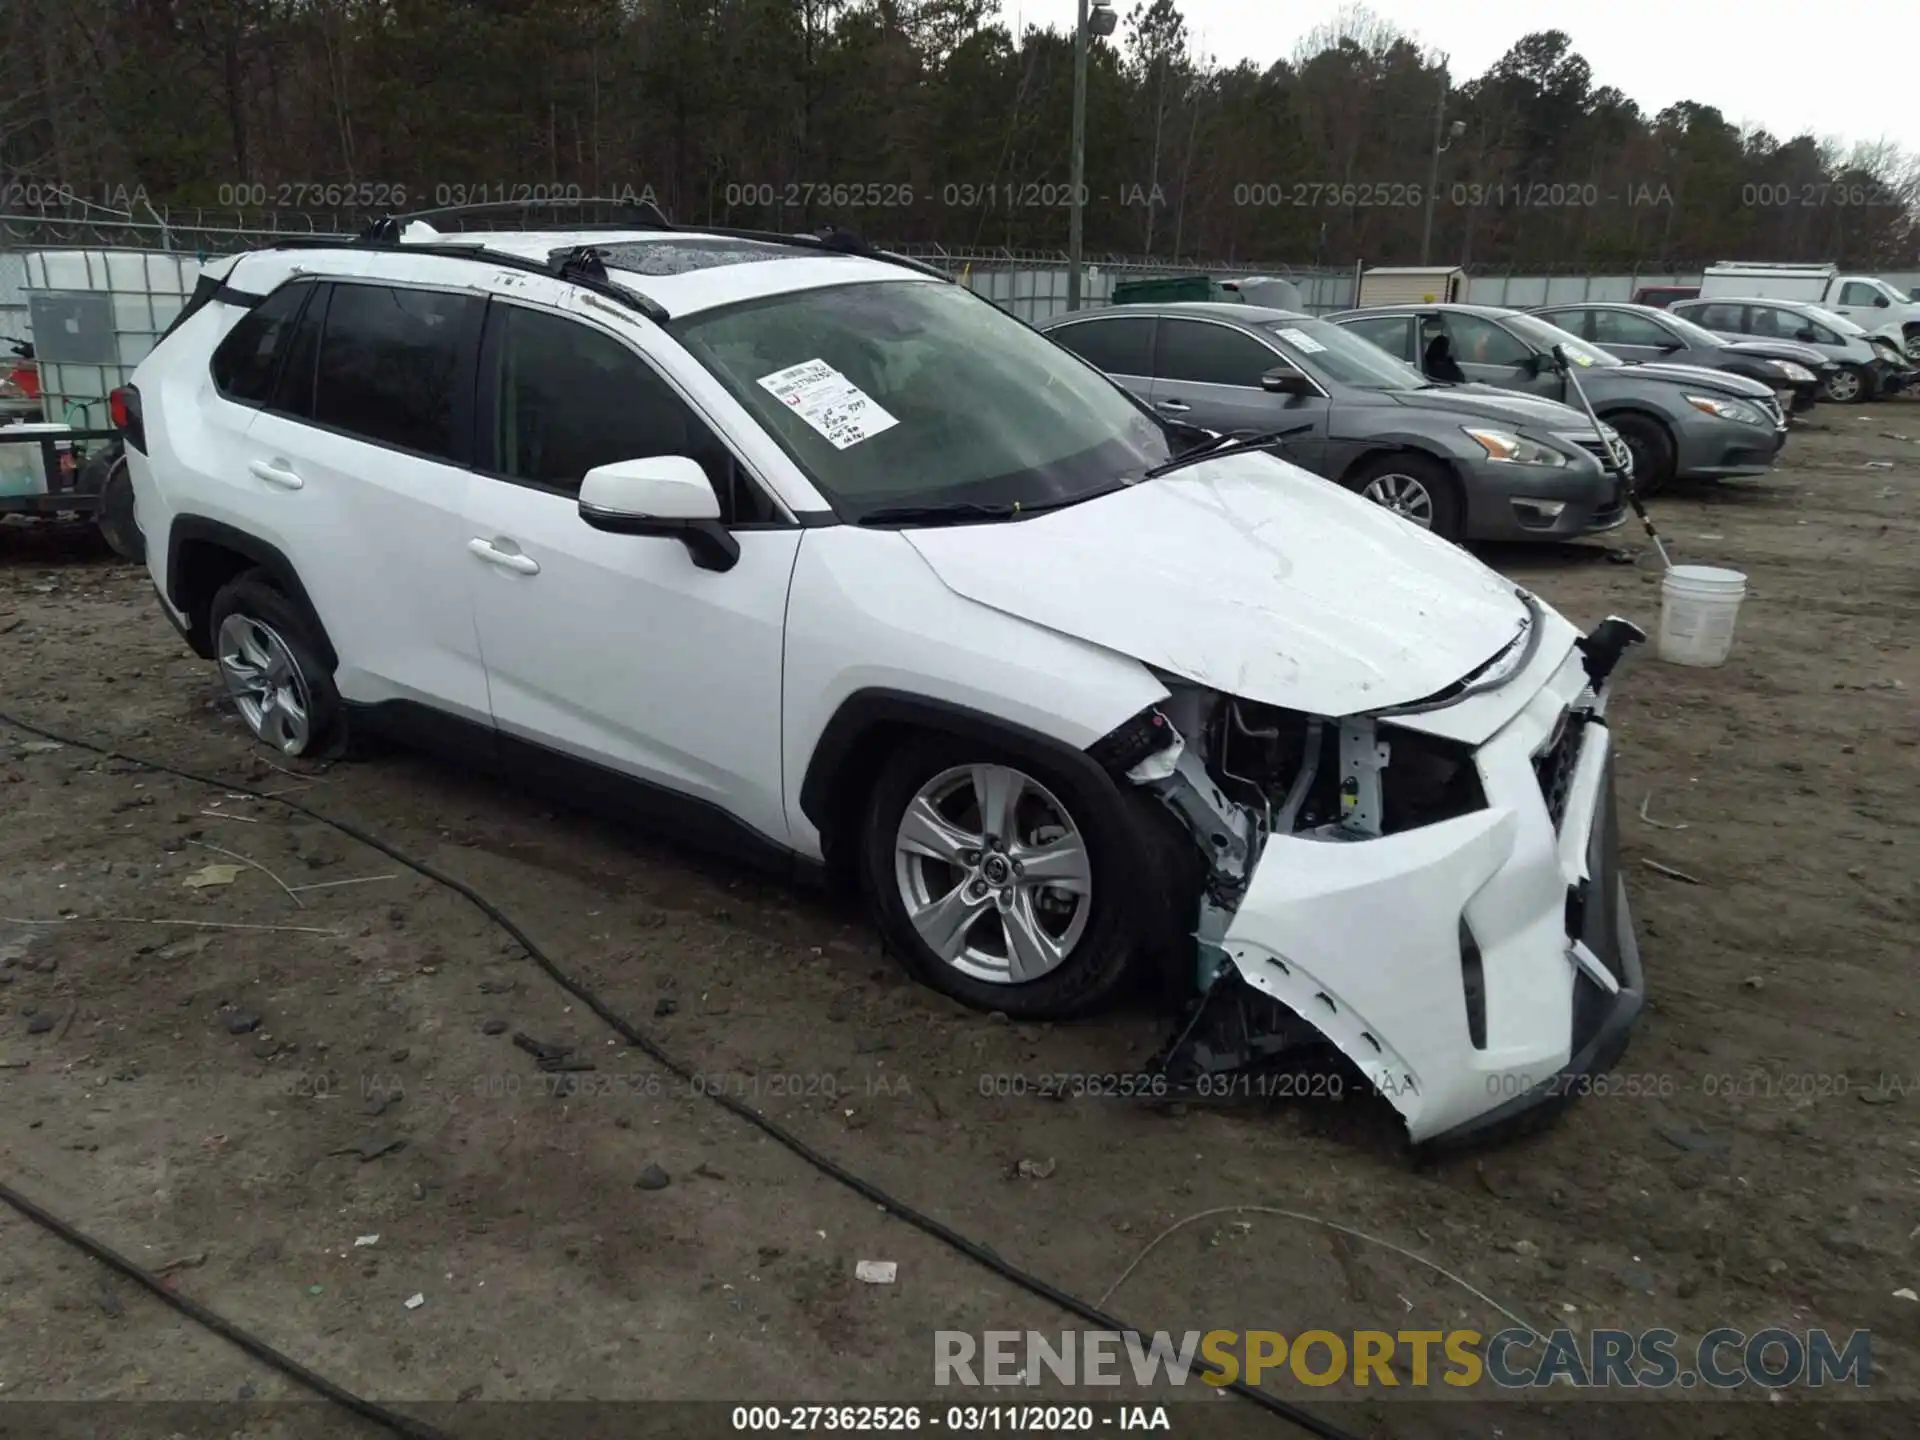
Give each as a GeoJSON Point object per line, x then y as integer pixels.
{"type": "Point", "coordinates": [275, 472]}
{"type": "Point", "coordinates": [1172, 407]}
{"type": "Point", "coordinates": [506, 559]}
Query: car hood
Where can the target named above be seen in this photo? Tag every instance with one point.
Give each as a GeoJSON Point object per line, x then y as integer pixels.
{"type": "Point", "coordinates": [1485, 402]}
{"type": "Point", "coordinates": [1699, 377]}
{"type": "Point", "coordinates": [1249, 575]}
{"type": "Point", "coordinates": [1778, 350]}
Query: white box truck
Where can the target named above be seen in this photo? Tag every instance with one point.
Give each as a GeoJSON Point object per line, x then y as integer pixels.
{"type": "Point", "coordinates": [1874, 305]}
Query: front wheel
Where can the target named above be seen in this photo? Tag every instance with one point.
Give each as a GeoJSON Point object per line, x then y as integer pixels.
{"type": "Point", "coordinates": [1415, 488]}
{"type": "Point", "coordinates": [1652, 448]}
{"type": "Point", "coordinates": [1002, 884]}
{"type": "Point", "coordinates": [1848, 385]}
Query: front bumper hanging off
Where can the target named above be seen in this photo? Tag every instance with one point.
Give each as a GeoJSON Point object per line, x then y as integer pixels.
{"type": "Point", "coordinates": [1476, 968]}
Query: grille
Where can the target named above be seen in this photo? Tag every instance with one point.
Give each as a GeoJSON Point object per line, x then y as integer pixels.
{"type": "Point", "coordinates": [1553, 766]}
{"type": "Point", "coordinates": [1598, 449]}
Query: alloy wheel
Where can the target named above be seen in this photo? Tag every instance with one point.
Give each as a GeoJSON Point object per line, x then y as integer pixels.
{"type": "Point", "coordinates": [994, 873]}
{"type": "Point", "coordinates": [266, 684]}
{"type": "Point", "coordinates": [1405, 495]}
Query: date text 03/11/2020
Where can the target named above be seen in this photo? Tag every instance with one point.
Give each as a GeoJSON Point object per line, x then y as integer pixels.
{"type": "Point", "coordinates": [951, 1419]}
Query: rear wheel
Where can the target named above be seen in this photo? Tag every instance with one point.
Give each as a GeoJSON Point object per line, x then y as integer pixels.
{"type": "Point", "coordinates": [270, 660]}
{"type": "Point", "coordinates": [1002, 884]}
{"type": "Point", "coordinates": [115, 515]}
{"type": "Point", "coordinates": [1415, 488]}
{"type": "Point", "coordinates": [1652, 450]}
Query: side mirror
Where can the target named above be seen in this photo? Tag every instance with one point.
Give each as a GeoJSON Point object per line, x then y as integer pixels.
{"type": "Point", "coordinates": [666, 495]}
{"type": "Point", "coordinates": [1556, 363]}
{"type": "Point", "coordinates": [1286, 380]}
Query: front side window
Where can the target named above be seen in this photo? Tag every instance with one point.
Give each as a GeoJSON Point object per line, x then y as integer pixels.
{"type": "Point", "coordinates": [1728, 319]}
{"type": "Point", "coordinates": [916, 392]}
{"type": "Point", "coordinates": [1772, 323]}
{"type": "Point", "coordinates": [1858, 292]}
{"type": "Point", "coordinates": [391, 365]}
{"type": "Point", "coordinates": [568, 397]}
{"type": "Point", "coordinates": [1120, 346]}
{"type": "Point", "coordinates": [1200, 353]}
{"type": "Point", "coordinates": [246, 363]}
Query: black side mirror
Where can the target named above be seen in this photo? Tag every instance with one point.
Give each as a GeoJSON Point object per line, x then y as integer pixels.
{"type": "Point", "coordinates": [1555, 363]}
{"type": "Point", "coordinates": [1286, 380]}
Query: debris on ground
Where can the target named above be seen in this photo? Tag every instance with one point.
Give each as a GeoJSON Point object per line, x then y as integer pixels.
{"type": "Point", "coordinates": [1035, 1169]}
{"type": "Point", "coordinates": [1670, 872]}
{"type": "Point", "coordinates": [215, 874]}
{"type": "Point", "coordinates": [415, 1300]}
{"type": "Point", "coordinates": [653, 1178]}
{"type": "Point", "coordinates": [876, 1272]}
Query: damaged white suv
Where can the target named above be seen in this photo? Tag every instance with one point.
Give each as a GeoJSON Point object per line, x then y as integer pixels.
{"type": "Point", "coordinates": [804, 551]}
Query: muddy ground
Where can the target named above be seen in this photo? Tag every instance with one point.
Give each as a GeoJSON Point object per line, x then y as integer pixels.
{"type": "Point", "coordinates": [207, 1099]}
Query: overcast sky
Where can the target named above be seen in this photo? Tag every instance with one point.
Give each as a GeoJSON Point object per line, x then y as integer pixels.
{"type": "Point", "coordinates": [1845, 72]}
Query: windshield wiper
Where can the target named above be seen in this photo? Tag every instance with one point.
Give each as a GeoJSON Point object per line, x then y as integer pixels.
{"type": "Point", "coordinates": [958, 512]}
{"type": "Point", "coordinates": [1222, 448]}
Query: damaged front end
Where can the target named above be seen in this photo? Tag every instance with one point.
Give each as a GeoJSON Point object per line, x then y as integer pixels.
{"type": "Point", "coordinates": [1431, 888]}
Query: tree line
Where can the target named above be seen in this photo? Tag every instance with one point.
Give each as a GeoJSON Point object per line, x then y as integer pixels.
{"type": "Point", "coordinates": [923, 121]}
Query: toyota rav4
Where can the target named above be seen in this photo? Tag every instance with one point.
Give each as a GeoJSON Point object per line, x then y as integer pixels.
{"type": "Point", "coordinates": [797, 548]}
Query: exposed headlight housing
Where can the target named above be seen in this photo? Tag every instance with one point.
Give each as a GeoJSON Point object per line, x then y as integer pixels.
{"type": "Point", "coordinates": [1728, 408]}
{"type": "Point", "coordinates": [1512, 449]}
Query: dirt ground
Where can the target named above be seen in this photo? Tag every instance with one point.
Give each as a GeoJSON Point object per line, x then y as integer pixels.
{"type": "Point", "coordinates": [208, 1099]}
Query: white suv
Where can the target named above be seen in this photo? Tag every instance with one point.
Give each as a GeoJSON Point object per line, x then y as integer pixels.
{"type": "Point", "coordinates": [799, 549]}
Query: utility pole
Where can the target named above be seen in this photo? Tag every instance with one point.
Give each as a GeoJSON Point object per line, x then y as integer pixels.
{"type": "Point", "coordinates": [1095, 17]}
{"type": "Point", "coordinates": [1078, 174]}
{"type": "Point", "coordinates": [1442, 138]}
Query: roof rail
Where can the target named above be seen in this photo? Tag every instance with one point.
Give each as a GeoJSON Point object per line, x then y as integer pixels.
{"type": "Point", "coordinates": [579, 265]}
{"type": "Point", "coordinates": [648, 216]}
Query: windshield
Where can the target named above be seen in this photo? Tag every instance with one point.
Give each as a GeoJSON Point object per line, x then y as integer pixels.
{"type": "Point", "coordinates": [914, 392]}
{"type": "Point", "coordinates": [1892, 292]}
{"type": "Point", "coordinates": [1836, 321]}
{"type": "Point", "coordinates": [1693, 334]}
{"type": "Point", "coordinates": [1329, 353]}
{"type": "Point", "coordinates": [1539, 333]}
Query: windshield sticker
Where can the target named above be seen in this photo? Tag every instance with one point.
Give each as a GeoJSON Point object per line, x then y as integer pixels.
{"type": "Point", "coordinates": [829, 402]}
{"type": "Point", "coordinates": [1305, 341]}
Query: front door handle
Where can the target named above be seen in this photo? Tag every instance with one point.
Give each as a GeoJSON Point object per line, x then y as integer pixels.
{"type": "Point", "coordinates": [506, 559]}
{"type": "Point", "coordinates": [1172, 407]}
{"type": "Point", "coordinates": [275, 472]}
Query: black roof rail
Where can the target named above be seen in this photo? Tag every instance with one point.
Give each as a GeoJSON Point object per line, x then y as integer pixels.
{"type": "Point", "coordinates": [831, 239]}
{"type": "Point", "coordinates": [581, 265]}
{"type": "Point", "coordinates": [647, 215]}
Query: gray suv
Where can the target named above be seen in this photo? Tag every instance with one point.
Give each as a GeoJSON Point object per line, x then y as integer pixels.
{"type": "Point", "coordinates": [1679, 421]}
{"type": "Point", "coordinates": [1484, 466]}
{"type": "Point", "coordinates": [1866, 369]}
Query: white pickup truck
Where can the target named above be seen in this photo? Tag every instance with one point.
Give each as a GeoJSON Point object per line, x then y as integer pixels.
{"type": "Point", "coordinates": [1874, 305]}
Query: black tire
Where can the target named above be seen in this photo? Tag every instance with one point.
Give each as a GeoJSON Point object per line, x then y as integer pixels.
{"type": "Point", "coordinates": [1849, 385]}
{"type": "Point", "coordinates": [252, 595]}
{"type": "Point", "coordinates": [1442, 490]}
{"type": "Point", "coordinates": [115, 515]}
{"type": "Point", "coordinates": [1142, 894]}
{"type": "Point", "coordinates": [1654, 457]}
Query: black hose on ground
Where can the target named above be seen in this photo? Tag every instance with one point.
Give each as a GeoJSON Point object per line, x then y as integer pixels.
{"type": "Point", "coordinates": [972, 1249]}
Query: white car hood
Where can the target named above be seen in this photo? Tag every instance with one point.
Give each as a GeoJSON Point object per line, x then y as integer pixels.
{"type": "Point", "coordinates": [1249, 575]}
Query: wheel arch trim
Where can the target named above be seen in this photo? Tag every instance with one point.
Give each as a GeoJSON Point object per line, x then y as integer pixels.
{"type": "Point", "coordinates": [189, 530]}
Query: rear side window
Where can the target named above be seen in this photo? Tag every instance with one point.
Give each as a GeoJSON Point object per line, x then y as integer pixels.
{"type": "Point", "coordinates": [1719, 317]}
{"type": "Point", "coordinates": [1623, 327]}
{"type": "Point", "coordinates": [392, 363]}
{"type": "Point", "coordinates": [1118, 346]}
{"type": "Point", "coordinates": [246, 363]}
{"type": "Point", "coordinates": [1392, 333]}
{"type": "Point", "coordinates": [293, 390]}
{"type": "Point", "coordinates": [1204, 354]}
{"type": "Point", "coordinates": [1574, 322]}
{"type": "Point", "coordinates": [568, 398]}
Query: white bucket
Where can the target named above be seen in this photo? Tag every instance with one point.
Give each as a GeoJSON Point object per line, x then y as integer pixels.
{"type": "Point", "coordinates": [1698, 607]}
